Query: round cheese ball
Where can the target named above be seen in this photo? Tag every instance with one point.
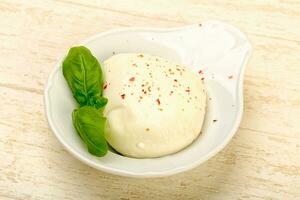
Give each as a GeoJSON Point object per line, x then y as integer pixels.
{"type": "Point", "coordinates": [155, 106]}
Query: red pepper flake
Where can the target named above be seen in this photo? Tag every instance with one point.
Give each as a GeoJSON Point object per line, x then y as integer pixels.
{"type": "Point", "coordinates": [105, 86]}
{"type": "Point", "coordinates": [230, 77]}
{"type": "Point", "coordinates": [200, 72]}
{"type": "Point", "coordinates": [158, 101]}
{"type": "Point", "coordinates": [215, 120]}
{"type": "Point", "coordinates": [134, 64]}
{"type": "Point", "coordinates": [187, 90]}
{"type": "Point", "coordinates": [123, 96]}
{"type": "Point", "coordinates": [132, 79]}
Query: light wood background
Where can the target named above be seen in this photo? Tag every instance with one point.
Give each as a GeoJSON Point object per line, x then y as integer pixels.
{"type": "Point", "coordinates": [261, 162]}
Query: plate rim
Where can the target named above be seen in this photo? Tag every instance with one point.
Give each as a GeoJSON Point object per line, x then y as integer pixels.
{"type": "Point", "coordinates": [151, 174]}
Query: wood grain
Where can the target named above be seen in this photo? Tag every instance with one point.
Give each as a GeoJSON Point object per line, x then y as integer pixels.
{"type": "Point", "coordinates": [261, 162]}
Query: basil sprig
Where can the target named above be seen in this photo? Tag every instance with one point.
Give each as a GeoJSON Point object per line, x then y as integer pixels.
{"type": "Point", "coordinates": [83, 74]}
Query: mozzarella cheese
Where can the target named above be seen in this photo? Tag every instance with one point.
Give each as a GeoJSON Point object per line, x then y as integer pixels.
{"type": "Point", "coordinates": [155, 106]}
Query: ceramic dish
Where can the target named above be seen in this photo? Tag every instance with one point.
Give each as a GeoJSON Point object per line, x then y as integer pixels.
{"type": "Point", "coordinates": [219, 50]}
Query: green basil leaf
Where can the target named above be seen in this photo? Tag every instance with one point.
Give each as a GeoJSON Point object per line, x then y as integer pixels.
{"type": "Point", "coordinates": [90, 126]}
{"type": "Point", "coordinates": [84, 76]}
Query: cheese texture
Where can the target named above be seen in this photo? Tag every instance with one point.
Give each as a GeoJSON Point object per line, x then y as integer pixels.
{"type": "Point", "coordinates": [156, 107]}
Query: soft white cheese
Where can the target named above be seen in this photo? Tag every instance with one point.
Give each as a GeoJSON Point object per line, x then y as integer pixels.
{"type": "Point", "coordinates": [155, 106]}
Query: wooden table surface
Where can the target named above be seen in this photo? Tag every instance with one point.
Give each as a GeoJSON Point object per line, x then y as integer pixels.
{"type": "Point", "coordinates": [261, 162]}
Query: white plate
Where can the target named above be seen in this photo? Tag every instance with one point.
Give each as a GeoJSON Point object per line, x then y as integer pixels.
{"type": "Point", "coordinates": [218, 49]}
